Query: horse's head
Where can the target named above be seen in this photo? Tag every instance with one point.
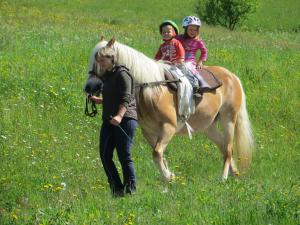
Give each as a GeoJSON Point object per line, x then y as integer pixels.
{"type": "Point", "coordinates": [142, 68]}
{"type": "Point", "coordinates": [93, 86]}
{"type": "Point", "coordinates": [106, 48]}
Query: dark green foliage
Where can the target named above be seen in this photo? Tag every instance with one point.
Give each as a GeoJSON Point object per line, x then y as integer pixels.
{"type": "Point", "coordinates": [227, 13]}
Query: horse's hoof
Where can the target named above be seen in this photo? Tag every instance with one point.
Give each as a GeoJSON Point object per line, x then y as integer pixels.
{"type": "Point", "coordinates": [236, 174]}
{"type": "Point", "coordinates": [165, 190]}
{"type": "Point", "coordinates": [224, 178]}
{"type": "Point", "coordinates": [170, 177]}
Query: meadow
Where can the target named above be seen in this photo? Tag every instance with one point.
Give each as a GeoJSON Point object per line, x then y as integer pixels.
{"type": "Point", "coordinates": [50, 170]}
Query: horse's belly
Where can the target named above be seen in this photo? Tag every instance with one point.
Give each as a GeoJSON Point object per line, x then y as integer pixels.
{"type": "Point", "coordinates": [205, 113]}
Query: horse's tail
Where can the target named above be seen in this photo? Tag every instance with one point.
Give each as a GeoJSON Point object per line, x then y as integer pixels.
{"type": "Point", "coordinates": [244, 140]}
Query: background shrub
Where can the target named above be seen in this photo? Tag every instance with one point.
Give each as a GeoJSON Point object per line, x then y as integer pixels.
{"type": "Point", "coordinates": [227, 13]}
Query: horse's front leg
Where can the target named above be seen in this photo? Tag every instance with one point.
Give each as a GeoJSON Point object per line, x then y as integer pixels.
{"type": "Point", "coordinates": [164, 138]}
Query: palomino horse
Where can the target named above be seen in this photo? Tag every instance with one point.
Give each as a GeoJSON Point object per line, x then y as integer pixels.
{"type": "Point", "coordinates": [157, 110]}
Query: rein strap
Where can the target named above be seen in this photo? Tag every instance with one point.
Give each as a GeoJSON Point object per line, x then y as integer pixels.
{"type": "Point", "coordinates": [86, 110]}
{"type": "Point", "coordinates": [155, 83]}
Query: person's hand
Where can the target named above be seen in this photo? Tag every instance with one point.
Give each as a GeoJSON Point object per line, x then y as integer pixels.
{"type": "Point", "coordinates": [199, 65]}
{"type": "Point", "coordinates": [96, 99]}
{"type": "Point", "coordinates": [116, 120]}
{"type": "Point", "coordinates": [166, 62]}
{"type": "Point", "coordinates": [179, 62]}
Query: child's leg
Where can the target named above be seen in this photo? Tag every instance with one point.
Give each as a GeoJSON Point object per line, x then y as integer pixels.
{"type": "Point", "coordinates": [189, 75]}
{"type": "Point", "coordinates": [202, 83]}
{"type": "Point", "coordinates": [192, 79]}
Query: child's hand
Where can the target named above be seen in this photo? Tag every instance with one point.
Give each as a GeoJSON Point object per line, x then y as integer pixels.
{"type": "Point", "coordinates": [199, 65]}
{"type": "Point", "coordinates": [178, 63]}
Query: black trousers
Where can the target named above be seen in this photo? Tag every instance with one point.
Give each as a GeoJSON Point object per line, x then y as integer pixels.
{"type": "Point", "coordinates": [113, 137]}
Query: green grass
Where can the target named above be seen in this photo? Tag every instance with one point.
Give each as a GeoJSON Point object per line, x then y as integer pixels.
{"type": "Point", "coordinates": [276, 15]}
{"type": "Point", "coordinates": [46, 140]}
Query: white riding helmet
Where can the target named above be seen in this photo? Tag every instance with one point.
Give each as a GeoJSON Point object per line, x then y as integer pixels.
{"type": "Point", "coordinates": [191, 20]}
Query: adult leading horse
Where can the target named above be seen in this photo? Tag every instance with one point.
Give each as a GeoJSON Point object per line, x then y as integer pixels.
{"type": "Point", "coordinates": [158, 114]}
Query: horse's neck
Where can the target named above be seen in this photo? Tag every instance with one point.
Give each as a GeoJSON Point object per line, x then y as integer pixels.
{"type": "Point", "coordinates": [142, 68]}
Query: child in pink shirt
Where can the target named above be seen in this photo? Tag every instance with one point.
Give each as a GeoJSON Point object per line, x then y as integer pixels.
{"type": "Point", "coordinates": [192, 43]}
{"type": "Point", "coordinates": [172, 51]}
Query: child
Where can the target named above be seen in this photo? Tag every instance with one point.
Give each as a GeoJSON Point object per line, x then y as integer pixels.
{"type": "Point", "coordinates": [171, 50]}
{"type": "Point", "coordinates": [192, 43]}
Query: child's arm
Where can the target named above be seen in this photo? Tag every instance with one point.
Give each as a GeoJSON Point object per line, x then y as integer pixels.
{"type": "Point", "coordinates": [199, 65]}
{"type": "Point", "coordinates": [158, 55]}
{"type": "Point", "coordinates": [180, 53]}
{"type": "Point", "coordinates": [203, 55]}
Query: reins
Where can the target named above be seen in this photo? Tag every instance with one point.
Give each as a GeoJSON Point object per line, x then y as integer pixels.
{"type": "Point", "coordinates": [149, 84]}
{"type": "Point", "coordinates": [155, 83]}
{"type": "Point", "coordinates": [94, 108]}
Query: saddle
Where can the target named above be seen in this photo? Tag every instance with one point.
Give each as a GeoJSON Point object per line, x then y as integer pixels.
{"type": "Point", "coordinates": [208, 76]}
{"type": "Point", "coordinates": [169, 76]}
{"type": "Point", "coordinates": [211, 79]}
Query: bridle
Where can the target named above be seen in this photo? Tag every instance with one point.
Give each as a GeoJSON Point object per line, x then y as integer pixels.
{"type": "Point", "coordinates": [92, 87]}
{"type": "Point", "coordinates": [93, 107]}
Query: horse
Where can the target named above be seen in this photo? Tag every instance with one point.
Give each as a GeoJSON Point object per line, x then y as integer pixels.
{"type": "Point", "coordinates": [221, 114]}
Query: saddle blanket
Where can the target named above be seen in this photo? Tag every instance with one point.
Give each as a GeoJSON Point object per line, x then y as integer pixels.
{"type": "Point", "coordinates": [186, 103]}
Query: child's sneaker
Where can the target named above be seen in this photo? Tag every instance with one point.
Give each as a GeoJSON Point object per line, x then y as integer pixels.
{"type": "Point", "coordinates": [196, 92]}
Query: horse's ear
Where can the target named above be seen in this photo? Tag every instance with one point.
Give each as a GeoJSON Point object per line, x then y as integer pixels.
{"type": "Point", "coordinates": [102, 38]}
{"type": "Point", "coordinates": [111, 42]}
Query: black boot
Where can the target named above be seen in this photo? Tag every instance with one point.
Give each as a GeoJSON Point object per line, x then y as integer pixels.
{"type": "Point", "coordinates": [129, 187]}
{"type": "Point", "coordinates": [116, 190]}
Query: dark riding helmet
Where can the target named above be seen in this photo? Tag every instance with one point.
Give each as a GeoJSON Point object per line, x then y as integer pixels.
{"type": "Point", "coordinates": [93, 85]}
{"type": "Point", "coordinates": [171, 23]}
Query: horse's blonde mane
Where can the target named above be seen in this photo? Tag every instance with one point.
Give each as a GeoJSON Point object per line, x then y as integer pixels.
{"type": "Point", "coordinates": [143, 68]}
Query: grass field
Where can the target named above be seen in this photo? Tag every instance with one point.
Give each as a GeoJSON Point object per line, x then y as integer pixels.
{"type": "Point", "coordinates": [50, 170]}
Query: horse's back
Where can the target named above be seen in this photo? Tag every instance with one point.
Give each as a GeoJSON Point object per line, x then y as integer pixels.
{"type": "Point", "coordinates": [231, 89]}
{"type": "Point", "coordinates": [228, 97]}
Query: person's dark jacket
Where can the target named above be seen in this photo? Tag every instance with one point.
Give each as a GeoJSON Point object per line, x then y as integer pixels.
{"type": "Point", "coordinates": [118, 89]}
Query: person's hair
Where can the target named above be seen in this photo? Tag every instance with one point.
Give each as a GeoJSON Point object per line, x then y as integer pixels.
{"type": "Point", "coordinates": [185, 34]}
{"type": "Point", "coordinates": [105, 53]}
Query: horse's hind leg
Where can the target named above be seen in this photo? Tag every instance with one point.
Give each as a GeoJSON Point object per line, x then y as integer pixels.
{"type": "Point", "coordinates": [214, 135]}
{"type": "Point", "coordinates": [165, 136]}
{"type": "Point", "coordinates": [223, 144]}
{"type": "Point", "coordinates": [228, 124]}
